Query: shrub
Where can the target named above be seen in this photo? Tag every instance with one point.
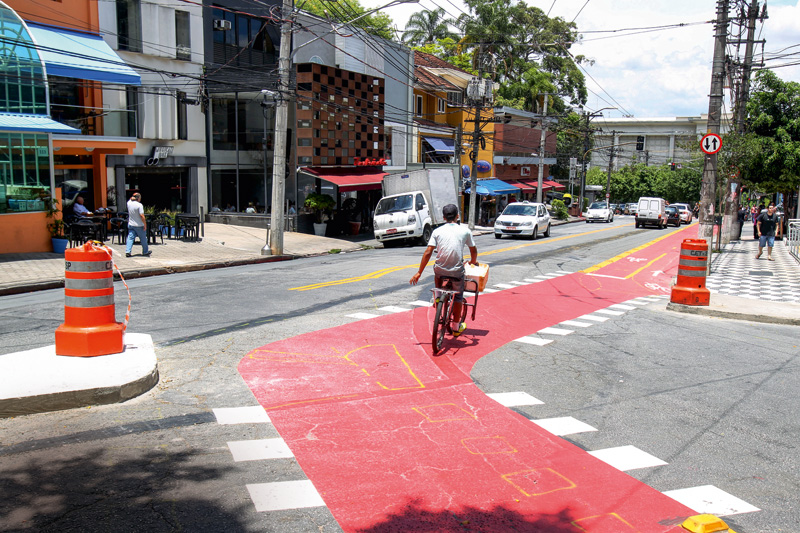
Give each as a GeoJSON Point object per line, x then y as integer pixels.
{"type": "Point", "coordinates": [559, 210]}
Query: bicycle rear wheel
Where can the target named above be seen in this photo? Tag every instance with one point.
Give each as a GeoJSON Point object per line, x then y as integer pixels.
{"type": "Point", "coordinates": [440, 322]}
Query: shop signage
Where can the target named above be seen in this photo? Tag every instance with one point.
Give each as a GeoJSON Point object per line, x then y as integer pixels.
{"type": "Point", "coordinates": [159, 153]}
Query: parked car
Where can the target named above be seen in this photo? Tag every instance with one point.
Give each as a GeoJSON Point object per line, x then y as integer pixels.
{"type": "Point", "coordinates": [673, 215]}
{"type": "Point", "coordinates": [651, 211]}
{"type": "Point", "coordinates": [523, 218]}
{"type": "Point", "coordinates": [599, 212]}
{"type": "Point", "coordinates": [631, 208]}
{"type": "Point", "coordinates": [685, 212]}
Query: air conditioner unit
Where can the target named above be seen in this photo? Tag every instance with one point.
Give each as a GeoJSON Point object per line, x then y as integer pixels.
{"type": "Point", "coordinates": [220, 24]}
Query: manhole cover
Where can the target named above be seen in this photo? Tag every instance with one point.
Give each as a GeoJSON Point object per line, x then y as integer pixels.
{"type": "Point", "coordinates": [760, 273]}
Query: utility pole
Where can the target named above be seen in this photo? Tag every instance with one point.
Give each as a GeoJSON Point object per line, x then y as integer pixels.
{"type": "Point", "coordinates": [708, 186]}
{"type": "Point", "coordinates": [275, 244]}
{"type": "Point", "coordinates": [475, 92]}
{"type": "Point", "coordinates": [733, 194]}
{"type": "Point", "coordinates": [588, 117]}
{"type": "Point", "coordinates": [610, 166]}
{"type": "Point", "coordinates": [542, 139]}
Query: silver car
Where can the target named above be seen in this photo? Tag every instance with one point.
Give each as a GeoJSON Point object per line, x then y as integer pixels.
{"type": "Point", "coordinates": [523, 218]}
{"type": "Point", "coordinates": [599, 212]}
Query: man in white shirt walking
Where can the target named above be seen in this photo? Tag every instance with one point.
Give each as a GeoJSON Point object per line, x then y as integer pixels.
{"type": "Point", "coordinates": [137, 225]}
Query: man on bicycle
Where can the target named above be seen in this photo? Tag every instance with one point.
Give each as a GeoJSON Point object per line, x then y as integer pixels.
{"type": "Point", "coordinates": [449, 241]}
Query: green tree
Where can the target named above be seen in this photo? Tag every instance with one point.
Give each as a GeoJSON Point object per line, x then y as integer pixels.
{"type": "Point", "coordinates": [343, 11]}
{"type": "Point", "coordinates": [570, 135]}
{"type": "Point", "coordinates": [769, 154]}
{"type": "Point", "coordinates": [631, 182]}
{"type": "Point", "coordinates": [427, 27]}
{"type": "Point", "coordinates": [446, 50]}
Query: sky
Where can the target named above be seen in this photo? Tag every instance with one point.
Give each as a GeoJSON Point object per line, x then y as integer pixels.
{"type": "Point", "coordinates": [663, 73]}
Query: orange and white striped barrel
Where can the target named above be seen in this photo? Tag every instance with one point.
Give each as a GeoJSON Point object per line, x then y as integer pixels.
{"type": "Point", "coordinates": [690, 288]}
{"type": "Point", "coordinates": [90, 327]}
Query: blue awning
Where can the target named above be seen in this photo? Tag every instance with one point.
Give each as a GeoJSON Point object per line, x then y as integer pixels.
{"type": "Point", "coordinates": [33, 124]}
{"type": "Point", "coordinates": [493, 187]}
{"type": "Point", "coordinates": [441, 145]}
{"type": "Point", "coordinates": [73, 54]}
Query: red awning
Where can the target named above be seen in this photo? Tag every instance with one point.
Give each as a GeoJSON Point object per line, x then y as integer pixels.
{"type": "Point", "coordinates": [555, 185]}
{"type": "Point", "coordinates": [524, 187]}
{"type": "Point", "coordinates": [349, 179]}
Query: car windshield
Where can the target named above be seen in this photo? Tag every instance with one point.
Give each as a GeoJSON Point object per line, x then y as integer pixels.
{"type": "Point", "coordinates": [598, 205]}
{"type": "Point", "coordinates": [520, 209]}
{"type": "Point", "coordinates": [671, 209]}
{"type": "Point", "coordinates": [394, 204]}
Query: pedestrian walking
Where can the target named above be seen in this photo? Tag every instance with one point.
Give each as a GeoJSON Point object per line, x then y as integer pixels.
{"type": "Point", "coordinates": [137, 225]}
{"type": "Point", "coordinates": [767, 223]}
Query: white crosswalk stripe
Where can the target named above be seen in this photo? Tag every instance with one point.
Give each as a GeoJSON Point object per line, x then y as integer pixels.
{"type": "Point", "coordinates": [536, 341]}
{"type": "Point", "coordinates": [555, 331]}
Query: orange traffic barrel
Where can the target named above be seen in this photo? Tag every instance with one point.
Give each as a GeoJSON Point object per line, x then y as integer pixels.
{"type": "Point", "coordinates": [90, 327]}
{"type": "Point", "coordinates": [690, 288]}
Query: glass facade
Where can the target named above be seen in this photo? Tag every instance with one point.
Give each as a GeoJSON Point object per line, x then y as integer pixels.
{"type": "Point", "coordinates": [24, 157]}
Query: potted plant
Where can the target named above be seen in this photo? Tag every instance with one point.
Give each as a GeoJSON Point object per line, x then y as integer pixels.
{"type": "Point", "coordinates": [56, 226]}
{"type": "Point", "coordinates": [319, 204]}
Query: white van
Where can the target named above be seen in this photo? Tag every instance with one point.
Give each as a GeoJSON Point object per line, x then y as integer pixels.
{"type": "Point", "coordinates": [651, 211]}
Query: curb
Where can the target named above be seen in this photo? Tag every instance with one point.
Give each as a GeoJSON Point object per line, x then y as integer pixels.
{"type": "Point", "coordinates": [146, 273]}
{"type": "Point", "coordinates": [718, 313]}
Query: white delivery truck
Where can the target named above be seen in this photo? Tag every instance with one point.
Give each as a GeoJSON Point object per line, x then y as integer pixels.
{"type": "Point", "coordinates": [411, 207]}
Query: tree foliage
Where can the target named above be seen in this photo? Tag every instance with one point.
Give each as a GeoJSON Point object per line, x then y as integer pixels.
{"type": "Point", "coordinates": [570, 135]}
{"type": "Point", "coordinates": [768, 155]}
{"type": "Point", "coordinates": [634, 181]}
{"type": "Point", "coordinates": [343, 11]}
{"type": "Point", "coordinates": [428, 27]}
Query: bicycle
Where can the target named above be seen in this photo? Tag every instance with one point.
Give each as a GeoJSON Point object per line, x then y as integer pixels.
{"type": "Point", "coordinates": [444, 299]}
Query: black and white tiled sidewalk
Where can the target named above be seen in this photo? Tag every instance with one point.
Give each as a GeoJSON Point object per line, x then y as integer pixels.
{"type": "Point", "coordinates": [737, 272]}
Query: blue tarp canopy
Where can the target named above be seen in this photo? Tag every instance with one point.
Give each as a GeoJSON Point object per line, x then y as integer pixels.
{"type": "Point", "coordinates": [85, 56]}
{"type": "Point", "coordinates": [493, 187]}
{"type": "Point", "coordinates": [441, 145]}
{"type": "Point", "coordinates": [33, 124]}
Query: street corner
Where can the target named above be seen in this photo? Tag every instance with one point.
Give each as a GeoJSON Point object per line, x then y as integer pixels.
{"type": "Point", "coordinates": [44, 381]}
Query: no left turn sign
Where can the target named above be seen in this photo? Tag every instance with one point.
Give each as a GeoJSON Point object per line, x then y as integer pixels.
{"type": "Point", "coordinates": [711, 143]}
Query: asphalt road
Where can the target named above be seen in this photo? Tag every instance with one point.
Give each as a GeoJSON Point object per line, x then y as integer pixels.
{"type": "Point", "coordinates": [712, 398]}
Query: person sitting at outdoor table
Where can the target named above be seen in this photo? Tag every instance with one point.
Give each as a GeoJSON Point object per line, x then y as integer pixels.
{"type": "Point", "coordinates": [79, 209]}
{"type": "Point", "coordinates": [250, 208]}
{"type": "Point", "coordinates": [230, 209]}
{"type": "Point", "coordinates": [215, 209]}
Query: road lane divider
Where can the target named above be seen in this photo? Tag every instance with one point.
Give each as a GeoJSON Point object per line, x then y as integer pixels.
{"type": "Point", "coordinates": [623, 255]}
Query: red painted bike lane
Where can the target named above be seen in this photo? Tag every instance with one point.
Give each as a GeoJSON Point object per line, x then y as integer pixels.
{"type": "Point", "coordinates": [394, 439]}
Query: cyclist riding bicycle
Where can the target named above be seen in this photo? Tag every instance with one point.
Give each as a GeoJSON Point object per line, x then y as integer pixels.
{"type": "Point", "coordinates": [449, 241]}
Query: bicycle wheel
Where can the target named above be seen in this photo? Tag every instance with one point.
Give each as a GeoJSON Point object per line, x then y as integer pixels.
{"type": "Point", "coordinates": [440, 322]}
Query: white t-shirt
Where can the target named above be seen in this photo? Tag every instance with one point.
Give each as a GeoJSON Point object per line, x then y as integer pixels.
{"type": "Point", "coordinates": [135, 212]}
{"type": "Point", "coordinates": [449, 241]}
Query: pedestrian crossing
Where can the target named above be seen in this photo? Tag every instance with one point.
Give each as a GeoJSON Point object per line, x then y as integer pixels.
{"type": "Point", "coordinates": [702, 499]}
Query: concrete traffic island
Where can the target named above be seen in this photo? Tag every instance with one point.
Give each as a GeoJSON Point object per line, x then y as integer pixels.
{"type": "Point", "coordinates": [37, 381]}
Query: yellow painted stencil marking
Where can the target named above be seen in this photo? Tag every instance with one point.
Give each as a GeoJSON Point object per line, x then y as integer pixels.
{"type": "Point", "coordinates": [383, 272]}
{"type": "Point", "coordinates": [345, 359]}
{"type": "Point", "coordinates": [538, 481]}
{"type": "Point", "coordinates": [605, 520]}
{"type": "Point", "coordinates": [444, 412]}
{"type": "Point", "coordinates": [623, 255]}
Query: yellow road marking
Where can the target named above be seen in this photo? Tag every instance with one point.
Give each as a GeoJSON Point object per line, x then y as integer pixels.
{"type": "Point", "coordinates": [623, 255]}
{"type": "Point", "coordinates": [380, 273]}
{"type": "Point", "coordinates": [629, 276]}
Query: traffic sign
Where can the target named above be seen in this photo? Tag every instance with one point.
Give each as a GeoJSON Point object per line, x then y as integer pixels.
{"type": "Point", "coordinates": [711, 143]}
{"type": "Point", "coordinates": [608, 196]}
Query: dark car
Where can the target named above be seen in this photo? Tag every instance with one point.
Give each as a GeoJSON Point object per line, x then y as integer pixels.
{"type": "Point", "coordinates": [673, 215]}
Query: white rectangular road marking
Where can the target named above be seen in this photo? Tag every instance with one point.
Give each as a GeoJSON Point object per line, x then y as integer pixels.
{"type": "Point", "coordinates": [610, 312]}
{"type": "Point", "coordinates": [565, 425]}
{"type": "Point", "coordinates": [521, 282]}
{"type": "Point", "coordinates": [575, 324]}
{"type": "Point", "coordinates": [421, 303]}
{"type": "Point", "coordinates": [594, 318]}
{"type": "Point", "coordinates": [362, 316]}
{"type": "Point", "coordinates": [533, 280]}
{"type": "Point", "coordinates": [563, 272]}
{"type": "Point", "coordinates": [621, 306]}
{"type": "Point", "coordinates": [709, 499]}
{"type": "Point", "coordinates": [254, 414]}
{"type": "Point", "coordinates": [638, 301]}
{"type": "Point", "coordinates": [488, 290]}
{"type": "Point", "coordinates": [504, 285]}
{"type": "Point", "coordinates": [650, 299]}
{"type": "Point", "coordinates": [283, 495]}
{"type": "Point", "coordinates": [555, 331]}
{"type": "Point", "coordinates": [603, 276]}
{"type": "Point", "coordinates": [545, 277]}
{"type": "Point", "coordinates": [534, 340]}
{"type": "Point", "coordinates": [514, 399]}
{"type": "Point", "coordinates": [393, 309]}
{"type": "Point", "coordinates": [257, 450]}
{"type": "Point", "coordinates": [554, 274]}
{"type": "Point", "coordinates": [627, 458]}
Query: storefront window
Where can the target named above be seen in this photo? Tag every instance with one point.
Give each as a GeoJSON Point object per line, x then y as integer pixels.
{"type": "Point", "coordinates": [250, 124]}
{"type": "Point", "coordinates": [24, 157]}
{"type": "Point", "coordinates": [24, 172]}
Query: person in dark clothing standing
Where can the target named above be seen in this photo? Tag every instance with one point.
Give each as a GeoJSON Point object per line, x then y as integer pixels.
{"type": "Point", "coordinates": [741, 215]}
{"type": "Point", "coordinates": [766, 224]}
{"type": "Point", "coordinates": [756, 213]}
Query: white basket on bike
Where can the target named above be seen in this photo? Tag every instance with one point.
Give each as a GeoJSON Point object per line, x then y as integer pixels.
{"type": "Point", "coordinates": [479, 273]}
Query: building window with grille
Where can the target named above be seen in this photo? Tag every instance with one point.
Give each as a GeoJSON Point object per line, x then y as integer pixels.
{"type": "Point", "coordinates": [455, 98]}
{"type": "Point", "coordinates": [418, 108]}
{"type": "Point", "coordinates": [441, 105]}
